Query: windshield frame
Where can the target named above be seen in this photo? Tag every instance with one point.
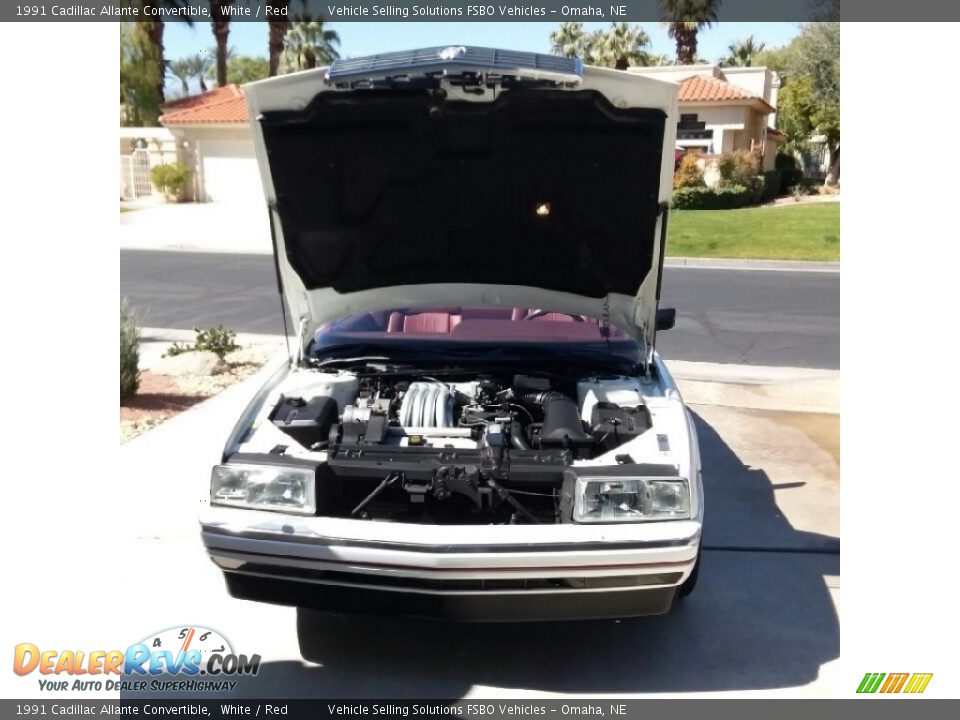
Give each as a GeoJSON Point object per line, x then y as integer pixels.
{"type": "Point", "coordinates": [610, 342]}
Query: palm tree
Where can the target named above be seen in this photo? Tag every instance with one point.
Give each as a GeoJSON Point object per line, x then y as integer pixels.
{"type": "Point", "coordinates": [570, 40]}
{"type": "Point", "coordinates": [139, 71]}
{"type": "Point", "coordinates": [684, 19]}
{"type": "Point", "coordinates": [657, 60]}
{"type": "Point", "coordinates": [743, 52]}
{"type": "Point", "coordinates": [200, 65]}
{"type": "Point", "coordinates": [619, 47]}
{"type": "Point", "coordinates": [182, 70]}
{"type": "Point", "coordinates": [153, 31]}
{"type": "Point", "coordinates": [277, 32]}
{"type": "Point", "coordinates": [308, 43]}
{"type": "Point", "coordinates": [221, 31]}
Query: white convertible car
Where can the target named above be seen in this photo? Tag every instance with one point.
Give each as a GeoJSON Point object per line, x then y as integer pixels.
{"type": "Point", "coordinates": [476, 425]}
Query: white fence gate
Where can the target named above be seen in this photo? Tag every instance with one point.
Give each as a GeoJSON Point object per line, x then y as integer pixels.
{"type": "Point", "coordinates": [135, 175]}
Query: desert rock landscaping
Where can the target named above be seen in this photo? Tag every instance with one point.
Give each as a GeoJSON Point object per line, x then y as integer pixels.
{"type": "Point", "coordinates": [161, 396]}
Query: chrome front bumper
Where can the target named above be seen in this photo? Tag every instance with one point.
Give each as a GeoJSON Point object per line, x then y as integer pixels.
{"type": "Point", "coordinates": [464, 573]}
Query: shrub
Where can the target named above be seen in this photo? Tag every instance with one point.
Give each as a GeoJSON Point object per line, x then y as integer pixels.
{"type": "Point", "coordinates": [171, 179]}
{"type": "Point", "coordinates": [755, 186]}
{"type": "Point", "coordinates": [218, 340]}
{"type": "Point", "coordinates": [771, 185]}
{"type": "Point", "coordinates": [129, 353]}
{"type": "Point", "coordinates": [785, 161]}
{"type": "Point", "coordinates": [798, 191]}
{"type": "Point", "coordinates": [716, 198]}
{"type": "Point", "coordinates": [689, 174]}
{"type": "Point", "coordinates": [789, 179]}
{"type": "Point", "coordinates": [738, 168]}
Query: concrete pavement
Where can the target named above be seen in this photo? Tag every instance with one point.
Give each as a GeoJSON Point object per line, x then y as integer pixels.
{"type": "Point", "coordinates": [203, 227]}
{"type": "Point", "coordinates": [747, 264]}
{"type": "Point", "coordinates": [763, 620]}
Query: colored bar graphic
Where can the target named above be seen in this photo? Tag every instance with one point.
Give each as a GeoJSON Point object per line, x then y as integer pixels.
{"type": "Point", "coordinates": [918, 682]}
{"type": "Point", "coordinates": [870, 682]}
{"type": "Point", "coordinates": [895, 682]}
{"type": "Point", "coordinates": [903, 679]}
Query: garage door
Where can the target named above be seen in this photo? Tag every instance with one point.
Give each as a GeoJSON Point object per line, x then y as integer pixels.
{"type": "Point", "coordinates": [230, 172]}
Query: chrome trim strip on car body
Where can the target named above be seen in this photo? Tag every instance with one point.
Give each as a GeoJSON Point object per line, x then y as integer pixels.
{"type": "Point", "coordinates": [587, 546]}
{"type": "Point", "coordinates": [334, 582]}
{"type": "Point", "coordinates": [253, 555]}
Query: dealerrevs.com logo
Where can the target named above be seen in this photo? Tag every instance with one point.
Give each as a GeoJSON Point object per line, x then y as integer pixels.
{"type": "Point", "coordinates": [189, 658]}
{"type": "Point", "coordinates": [894, 683]}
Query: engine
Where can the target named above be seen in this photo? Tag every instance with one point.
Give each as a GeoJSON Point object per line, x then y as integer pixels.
{"type": "Point", "coordinates": [402, 445]}
{"type": "Point", "coordinates": [523, 412]}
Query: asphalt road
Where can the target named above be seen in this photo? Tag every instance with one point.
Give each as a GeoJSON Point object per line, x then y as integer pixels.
{"type": "Point", "coordinates": [756, 317]}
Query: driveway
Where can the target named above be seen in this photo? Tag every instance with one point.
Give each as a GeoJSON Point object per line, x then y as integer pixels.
{"type": "Point", "coordinates": [211, 227]}
{"type": "Point", "coordinates": [762, 621]}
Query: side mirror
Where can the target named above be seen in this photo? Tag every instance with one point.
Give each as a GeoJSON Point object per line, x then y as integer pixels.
{"type": "Point", "coordinates": [666, 318]}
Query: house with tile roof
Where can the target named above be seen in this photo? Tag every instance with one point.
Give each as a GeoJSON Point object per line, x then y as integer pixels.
{"type": "Point", "coordinates": [721, 110]}
{"type": "Point", "coordinates": [213, 137]}
{"type": "Point", "coordinates": [724, 109]}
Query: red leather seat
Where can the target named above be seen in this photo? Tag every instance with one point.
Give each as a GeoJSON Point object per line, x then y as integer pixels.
{"type": "Point", "coordinates": [554, 317]}
{"type": "Point", "coordinates": [422, 323]}
{"type": "Point", "coordinates": [486, 314]}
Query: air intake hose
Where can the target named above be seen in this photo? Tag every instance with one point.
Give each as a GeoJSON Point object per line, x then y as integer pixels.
{"type": "Point", "coordinates": [561, 419]}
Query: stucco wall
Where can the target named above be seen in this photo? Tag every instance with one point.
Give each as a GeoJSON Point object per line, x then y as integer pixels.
{"type": "Point", "coordinates": [222, 163]}
{"type": "Point", "coordinates": [158, 142]}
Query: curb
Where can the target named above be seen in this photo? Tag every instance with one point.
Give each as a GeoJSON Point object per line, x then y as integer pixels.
{"type": "Point", "coordinates": [697, 371]}
{"type": "Point", "coordinates": [736, 264]}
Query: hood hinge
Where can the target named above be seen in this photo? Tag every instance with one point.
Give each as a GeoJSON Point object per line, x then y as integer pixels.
{"type": "Point", "coordinates": [301, 334]}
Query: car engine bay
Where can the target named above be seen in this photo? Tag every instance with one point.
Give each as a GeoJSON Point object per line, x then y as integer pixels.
{"type": "Point", "coordinates": [455, 446]}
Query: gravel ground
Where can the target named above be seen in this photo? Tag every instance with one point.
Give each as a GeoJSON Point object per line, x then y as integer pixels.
{"type": "Point", "coordinates": [160, 398]}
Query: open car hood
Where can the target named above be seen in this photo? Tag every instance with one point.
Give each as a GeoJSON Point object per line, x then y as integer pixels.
{"type": "Point", "coordinates": [466, 176]}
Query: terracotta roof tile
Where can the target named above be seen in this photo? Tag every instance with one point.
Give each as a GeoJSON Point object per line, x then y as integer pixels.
{"type": "Point", "coordinates": [704, 89]}
{"type": "Point", "coordinates": [225, 105]}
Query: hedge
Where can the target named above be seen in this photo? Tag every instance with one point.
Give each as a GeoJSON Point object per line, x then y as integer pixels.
{"type": "Point", "coordinates": [784, 161]}
{"type": "Point", "coordinates": [789, 178]}
{"type": "Point", "coordinates": [713, 198]}
{"type": "Point", "coordinates": [771, 185]}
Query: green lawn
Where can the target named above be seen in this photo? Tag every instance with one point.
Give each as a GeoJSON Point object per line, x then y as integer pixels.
{"type": "Point", "coordinates": [801, 232]}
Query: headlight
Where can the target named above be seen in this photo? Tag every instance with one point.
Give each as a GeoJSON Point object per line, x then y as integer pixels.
{"type": "Point", "coordinates": [264, 487]}
{"type": "Point", "coordinates": [613, 499]}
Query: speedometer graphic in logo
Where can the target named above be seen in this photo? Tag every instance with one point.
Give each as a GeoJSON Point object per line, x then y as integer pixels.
{"type": "Point", "coordinates": [184, 639]}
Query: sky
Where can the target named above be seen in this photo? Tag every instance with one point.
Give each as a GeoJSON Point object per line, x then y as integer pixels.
{"type": "Point", "coordinates": [356, 38]}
